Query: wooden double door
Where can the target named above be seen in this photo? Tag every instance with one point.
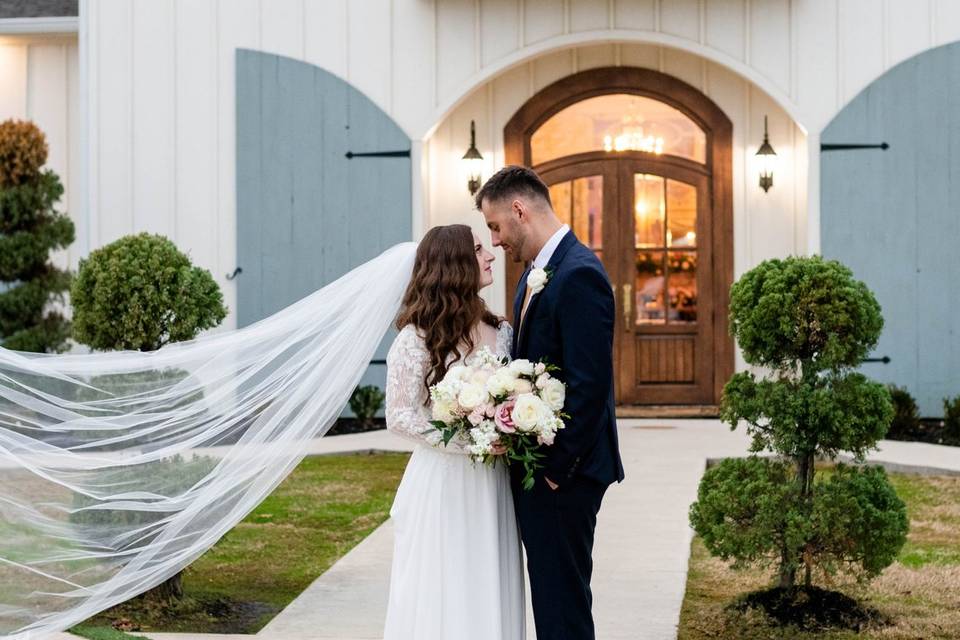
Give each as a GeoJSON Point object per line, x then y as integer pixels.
{"type": "Point", "coordinates": [648, 222]}
{"type": "Point", "coordinates": [639, 165]}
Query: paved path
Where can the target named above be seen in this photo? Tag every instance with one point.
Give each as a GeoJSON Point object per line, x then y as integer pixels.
{"type": "Point", "coordinates": [642, 545]}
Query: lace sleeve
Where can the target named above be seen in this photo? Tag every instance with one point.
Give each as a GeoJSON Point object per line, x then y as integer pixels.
{"type": "Point", "coordinates": [406, 414]}
{"type": "Point", "coordinates": [505, 339]}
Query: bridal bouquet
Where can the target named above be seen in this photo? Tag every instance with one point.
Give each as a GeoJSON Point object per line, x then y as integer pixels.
{"type": "Point", "coordinates": [500, 409]}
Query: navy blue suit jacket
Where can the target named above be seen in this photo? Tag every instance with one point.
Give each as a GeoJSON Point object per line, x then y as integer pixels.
{"type": "Point", "coordinates": [569, 323]}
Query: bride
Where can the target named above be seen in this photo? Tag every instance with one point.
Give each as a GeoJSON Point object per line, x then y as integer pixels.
{"type": "Point", "coordinates": [457, 564]}
{"type": "Point", "coordinates": [119, 469]}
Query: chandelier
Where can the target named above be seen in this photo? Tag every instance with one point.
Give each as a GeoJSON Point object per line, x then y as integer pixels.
{"type": "Point", "coordinates": [633, 138]}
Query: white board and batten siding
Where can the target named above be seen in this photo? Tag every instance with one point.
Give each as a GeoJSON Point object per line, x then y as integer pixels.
{"type": "Point", "coordinates": [39, 81]}
{"type": "Point", "coordinates": [162, 106]}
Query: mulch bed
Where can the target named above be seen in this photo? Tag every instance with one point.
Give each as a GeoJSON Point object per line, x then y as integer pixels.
{"type": "Point", "coordinates": [811, 609]}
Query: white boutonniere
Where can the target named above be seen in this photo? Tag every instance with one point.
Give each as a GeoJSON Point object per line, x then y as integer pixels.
{"type": "Point", "coordinates": [538, 279]}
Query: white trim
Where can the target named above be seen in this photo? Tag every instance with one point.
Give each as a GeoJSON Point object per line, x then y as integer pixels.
{"type": "Point", "coordinates": [617, 36]}
{"type": "Point", "coordinates": [45, 25]}
{"type": "Point", "coordinates": [813, 193]}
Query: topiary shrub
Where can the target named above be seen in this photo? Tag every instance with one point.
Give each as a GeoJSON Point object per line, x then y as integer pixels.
{"type": "Point", "coordinates": [30, 228]}
{"type": "Point", "coordinates": [140, 292]}
{"type": "Point", "coordinates": [366, 401]}
{"type": "Point", "coordinates": [808, 322]}
{"type": "Point", "coordinates": [906, 414]}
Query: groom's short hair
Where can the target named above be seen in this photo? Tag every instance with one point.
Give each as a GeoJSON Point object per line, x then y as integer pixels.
{"type": "Point", "coordinates": [512, 181]}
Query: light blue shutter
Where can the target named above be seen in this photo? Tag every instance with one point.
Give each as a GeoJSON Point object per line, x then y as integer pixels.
{"type": "Point", "coordinates": [894, 218]}
{"type": "Point", "coordinates": [306, 214]}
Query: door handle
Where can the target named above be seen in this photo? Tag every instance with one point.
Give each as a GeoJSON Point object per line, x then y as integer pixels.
{"type": "Point", "coordinates": [627, 306]}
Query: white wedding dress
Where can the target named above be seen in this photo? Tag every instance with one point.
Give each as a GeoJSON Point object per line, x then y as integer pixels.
{"type": "Point", "coordinates": [457, 564]}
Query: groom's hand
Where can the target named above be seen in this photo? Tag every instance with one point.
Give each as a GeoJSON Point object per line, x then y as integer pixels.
{"type": "Point", "coordinates": [550, 483]}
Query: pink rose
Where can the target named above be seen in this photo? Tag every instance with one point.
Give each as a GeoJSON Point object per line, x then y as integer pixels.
{"type": "Point", "coordinates": [476, 416]}
{"type": "Point", "coordinates": [487, 409]}
{"type": "Point", "coordinates": [503, 417]}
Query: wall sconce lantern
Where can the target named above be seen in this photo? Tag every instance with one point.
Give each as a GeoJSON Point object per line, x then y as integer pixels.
{"type": "Point", "coordinates": [768, 160]}
{"type": "Point", "coordinates": [473, 161]}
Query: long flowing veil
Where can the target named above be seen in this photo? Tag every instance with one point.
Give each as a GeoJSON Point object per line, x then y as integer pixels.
{"type": "Point", "coordinates": [107, 483]}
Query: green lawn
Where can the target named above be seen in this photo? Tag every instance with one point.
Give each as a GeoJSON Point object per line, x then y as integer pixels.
{"type": "Point", "coordinates": [321, 510]}
{"type": "Point", "coordinates": [920, 592]}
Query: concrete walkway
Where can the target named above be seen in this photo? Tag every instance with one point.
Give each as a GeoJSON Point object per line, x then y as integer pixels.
{"type": "Point", "coordinates": [642, 545]}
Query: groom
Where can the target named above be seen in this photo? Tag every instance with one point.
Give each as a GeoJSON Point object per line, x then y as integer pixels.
{"type": "Point", "coordinates": [563, 315]}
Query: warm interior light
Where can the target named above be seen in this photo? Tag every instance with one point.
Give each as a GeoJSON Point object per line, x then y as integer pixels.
{"type": "Point", "coordinates": [633, 140]}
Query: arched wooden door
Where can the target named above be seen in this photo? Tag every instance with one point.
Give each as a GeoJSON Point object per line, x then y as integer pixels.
{"type": "Point", "coordinates": [656, 211]}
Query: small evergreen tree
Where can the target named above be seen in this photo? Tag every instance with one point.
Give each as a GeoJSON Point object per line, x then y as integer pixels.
{"type": "Point", "coordinates": [365, 402]}
{"type": "Point", "coordinates": [906, 414]}
{"type": "Point", "coordinates": [808, 322]}
{"type": "Point", "coordinates": [30, 228]}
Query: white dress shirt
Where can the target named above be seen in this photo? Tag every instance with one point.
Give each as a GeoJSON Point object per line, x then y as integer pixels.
{"type": "Point", "coordinates": [546, 252]}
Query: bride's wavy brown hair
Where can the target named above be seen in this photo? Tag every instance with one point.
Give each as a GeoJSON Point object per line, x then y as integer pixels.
{"type": "Point", "coordinates": [443, 298]}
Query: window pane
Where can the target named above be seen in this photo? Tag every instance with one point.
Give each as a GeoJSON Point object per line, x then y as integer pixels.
{"type": "Point", "coordinates": [649, 287]}
{"type": "Point", "coordinates": [560, 199]}
{"type": "Point", "coordinates": [619, 122]}
{"type": "Point", "coordinates": [648, 210]}
{"type": "Point", "coordinates": [681, 214]}
{"type": "Point", "coordinates": [588, 211]}
{"type": "Point", "coordinates": [682, 292]}
{"type": "Point", "coordinates": [579, 203]}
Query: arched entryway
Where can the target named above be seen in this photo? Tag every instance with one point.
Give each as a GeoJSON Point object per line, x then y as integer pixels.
{"type": "Point", "coordinates": [639, 165]}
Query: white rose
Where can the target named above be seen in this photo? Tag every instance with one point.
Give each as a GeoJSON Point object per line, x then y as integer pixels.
{"type": "Point", "coordinates": [542, 380]}
{"type": "Point", "coordinates": [480, 377]}
{"type": "Point", "coordinates": [536, 280]}
{"type": "Point", "coordinates": [522, 367]}
{"type": "Point", "coordinates": [554, 394]}
{"type": "Point", "coordinates": [456, 373]}
{"type": "Point", "coordinates": [471, 395]}
{"type": "Point", "coordinates": [500, 383]}
{"type": "Point", "coordinates": [528, 412]}
{"type": "Point", "coordinates": [522, 386]}
{"type": "Point", "coordinates": [539, 369]}
{"type": "Point", "coordinates": [443, 411]}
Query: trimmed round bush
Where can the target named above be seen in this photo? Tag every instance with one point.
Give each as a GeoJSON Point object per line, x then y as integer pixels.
{"type": "Point", "coordinates": [803, 309]}
{"type": "Point", "coordinates": [141, 292]}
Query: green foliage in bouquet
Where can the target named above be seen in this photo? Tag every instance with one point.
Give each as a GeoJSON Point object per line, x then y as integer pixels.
{"type": "Point", "coordinates": [141, 292]}
{"type": "Point", "coordinates": [366, 401]}
{"type": "Point", "coordinates": [808, 322]}
{"type": "Point", "coordinates": [30, 228]}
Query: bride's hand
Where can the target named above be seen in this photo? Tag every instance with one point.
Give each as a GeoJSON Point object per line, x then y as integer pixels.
{"type": "Point", "coordinates": [498, 449]}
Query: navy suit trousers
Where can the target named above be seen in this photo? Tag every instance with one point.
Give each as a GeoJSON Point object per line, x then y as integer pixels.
{"type": "Point", "coordinates": [557, 529]}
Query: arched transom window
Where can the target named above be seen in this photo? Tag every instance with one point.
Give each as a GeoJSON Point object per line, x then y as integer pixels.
{"type": "Point", "coordinates": [618, 122]}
